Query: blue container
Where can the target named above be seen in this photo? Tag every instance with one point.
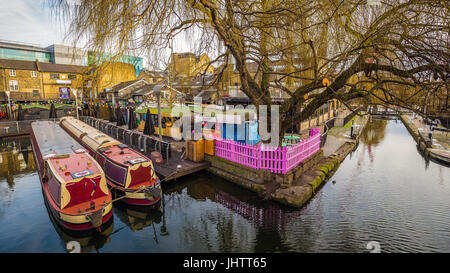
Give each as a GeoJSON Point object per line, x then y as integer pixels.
{"type": "Point", "coordinates": [244, 133]}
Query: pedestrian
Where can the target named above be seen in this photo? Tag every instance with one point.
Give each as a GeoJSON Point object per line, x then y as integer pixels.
{"type": "Point", "coordinates": [430, 134]}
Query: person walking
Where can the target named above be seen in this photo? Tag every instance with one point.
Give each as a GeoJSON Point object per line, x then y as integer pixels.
{"type": "Point", "coordinates": [430, 134]}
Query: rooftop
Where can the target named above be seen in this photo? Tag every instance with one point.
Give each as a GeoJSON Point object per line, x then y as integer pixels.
{"type": "Point", "coordinates": [22, 46]}
{"type": "Point", "coordinates": [40, 66]}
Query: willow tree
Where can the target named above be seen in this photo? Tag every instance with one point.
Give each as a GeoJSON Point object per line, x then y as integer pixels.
{"type": "Point", "coordinates": [362, 50]}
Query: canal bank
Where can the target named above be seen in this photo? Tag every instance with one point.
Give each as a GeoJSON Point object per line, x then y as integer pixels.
{"type": "Point", "coordinates": [313, 179]}
{"type": "Point", "coordinates": [299, 185]}
{"type": "Point", "coordinates": [427, 147]}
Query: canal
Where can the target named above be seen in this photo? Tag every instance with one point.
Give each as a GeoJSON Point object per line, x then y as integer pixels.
{"type": "Point", "coordinates": [384, 191]}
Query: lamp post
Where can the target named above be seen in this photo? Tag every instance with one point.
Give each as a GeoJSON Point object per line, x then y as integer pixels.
{"type": "Point", "coordinates": [157, 91]}
{"type": "Point", "coordinates": [75, 93]}
{"type": "Point", "coordinates": [9, 103]}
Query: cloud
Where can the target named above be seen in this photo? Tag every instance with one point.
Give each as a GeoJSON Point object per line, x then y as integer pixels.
{"type": "Point", "coordinates": [30, 21]}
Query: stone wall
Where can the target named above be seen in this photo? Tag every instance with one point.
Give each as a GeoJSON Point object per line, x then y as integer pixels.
{"type": "Point", "coordinates": [255, 179]}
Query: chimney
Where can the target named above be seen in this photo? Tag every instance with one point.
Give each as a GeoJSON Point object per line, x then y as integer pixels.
{"type": "Point", "coordinates": [37, 65]}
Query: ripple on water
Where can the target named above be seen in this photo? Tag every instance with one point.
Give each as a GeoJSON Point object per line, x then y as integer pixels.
{"type": "Point", "coordinates": [385, 192]}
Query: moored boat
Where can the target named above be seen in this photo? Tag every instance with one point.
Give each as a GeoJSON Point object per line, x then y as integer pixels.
{"type": "Point", "coordinates": [129, 174]}
{"type": "Point", "coordinates": [73, 183]}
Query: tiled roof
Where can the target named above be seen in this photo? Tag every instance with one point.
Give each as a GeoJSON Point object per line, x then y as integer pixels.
{"type": "Point", "coordinates": [44, 67]}
{"type": "Point", "coordinates": [122, 85]}
{"type": "Point", "coordinates": [17, 64]}
{"type": "Point", "coordinates": [62, 68]}
{"type": "Point", "coordinates": [154, 74]}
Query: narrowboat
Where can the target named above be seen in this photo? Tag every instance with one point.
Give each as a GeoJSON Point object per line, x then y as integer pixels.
{"type": "Point", "coordinates": [73, 183]}
{"type": "Point", "coordinates": [129, 174]}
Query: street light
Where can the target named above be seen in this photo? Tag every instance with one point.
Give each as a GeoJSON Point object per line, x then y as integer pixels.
{"type": "Point", "coordinates": [157, 91]}
{"type": "Point", "coordinates": [9, 103]}
{"type": "Point", "coordinates": [75, 93]}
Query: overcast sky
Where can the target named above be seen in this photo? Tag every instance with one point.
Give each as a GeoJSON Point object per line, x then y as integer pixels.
{"type": "Point", "coordinates": [30, 21]}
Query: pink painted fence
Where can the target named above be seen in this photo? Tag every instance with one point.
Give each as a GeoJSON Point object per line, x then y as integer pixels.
{"type": "Point", "coordinates": [277, 159]}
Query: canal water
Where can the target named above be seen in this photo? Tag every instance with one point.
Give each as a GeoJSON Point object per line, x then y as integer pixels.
{"type": "Point", "coordinates": [384, 191]}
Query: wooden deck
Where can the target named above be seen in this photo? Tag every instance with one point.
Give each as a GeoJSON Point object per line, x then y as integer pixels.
{"type": "Point", "coordinates": [171, 168]}
{"type": "Point", "coordinates": [16, 128]}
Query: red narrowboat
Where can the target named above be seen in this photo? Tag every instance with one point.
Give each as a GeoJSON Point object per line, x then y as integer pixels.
{"type": "Point", "coordinates": [73, 183]}
{"type": "Point", "coordinates": [129, 173]}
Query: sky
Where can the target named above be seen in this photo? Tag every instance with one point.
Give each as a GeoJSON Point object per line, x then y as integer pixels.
{"type": "Point", "coordinates": [30, 21]}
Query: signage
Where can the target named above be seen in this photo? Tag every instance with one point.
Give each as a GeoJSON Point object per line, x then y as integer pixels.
{"type": "Point", "coordinates": [64, 92]}
{"type": "Point", "coordinates": [64, 81]}
{"type": "Point", "coordinates": [231, 119]}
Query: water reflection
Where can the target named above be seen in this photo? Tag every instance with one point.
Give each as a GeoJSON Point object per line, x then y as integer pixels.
{"type": "Point", "coordinates": [231, 219]}
{"type": "Point", "coordinates": [372, 135]}
{"type": "Point", "coordinates": [137, 218]}
{"type": "Point", "coordinates": [16, 157]}
{"type": "Point", "coordinates": [263, 214]}
{"type": "Point", "coordinates": [374, 132]}
{"type": "Point", "coordinates": [384, 193]}
{"type": "Point", "coordinates": [90, 241]}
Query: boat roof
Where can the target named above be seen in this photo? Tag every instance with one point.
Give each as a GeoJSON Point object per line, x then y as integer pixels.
{"type": "Point", "coordinates": [129, 157]}
{"type": "Point", "coordinates": [92, 137]}
{"type": "Point", "coordinates": [106, 145]}
{"type": "Point", "coordinates": [74, 166]}
{"type": "Point", "coordinates": [52, 139]}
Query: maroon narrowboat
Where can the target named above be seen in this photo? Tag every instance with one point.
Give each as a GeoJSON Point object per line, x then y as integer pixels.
{"type": "Point", "coordinates": [73, 183]}
{"type": "Point", "coordinates": [129, 173]}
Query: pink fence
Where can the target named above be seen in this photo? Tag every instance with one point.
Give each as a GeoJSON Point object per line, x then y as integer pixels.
{"type": "Point", "coordinates": [276, 159]}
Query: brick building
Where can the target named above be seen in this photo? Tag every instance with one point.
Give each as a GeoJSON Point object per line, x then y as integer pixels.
{"type": "Point", "coordinates": [33, 80]}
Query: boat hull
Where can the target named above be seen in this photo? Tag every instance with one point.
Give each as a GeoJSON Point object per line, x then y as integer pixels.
{"type": "Point", "coordinates": [73, 222]}
{"type": "Point", "coordinates": [136, 199]}
{"type": "Point", "coordinates": [73, 226]}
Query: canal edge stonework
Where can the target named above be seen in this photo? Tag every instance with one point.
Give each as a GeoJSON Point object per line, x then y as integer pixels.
{"type": "Point", "coordinates": [423, 144]}
{"type": "Point", "coordinates": [280, 188]}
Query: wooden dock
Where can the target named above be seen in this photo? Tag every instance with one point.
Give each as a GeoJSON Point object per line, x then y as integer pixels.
{"type": "Point", "coordinates": [173, 166]}
{"type": "Point", "coordinates": [15, 128]}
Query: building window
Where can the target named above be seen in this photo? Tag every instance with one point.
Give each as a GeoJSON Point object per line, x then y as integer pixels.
{"type": "Point", "coordinates": [33, 74]}
{"type": "Point", "coordinates": [12, 72]}
{"type": "Point", "coordinates": [35, 93]}
{"type": "Point", "coordinates": [72, 77]}
{"type": "Point", "coordinates": [13, 85]}
{"type": "Point", "coordinates": [54, 76]}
